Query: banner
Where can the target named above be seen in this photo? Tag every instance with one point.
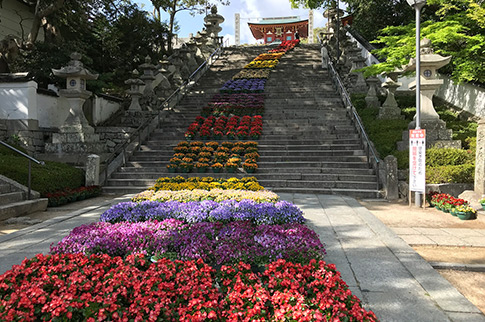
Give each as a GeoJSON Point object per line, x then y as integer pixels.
{"type": "Point", "coordinates": [417, 160]}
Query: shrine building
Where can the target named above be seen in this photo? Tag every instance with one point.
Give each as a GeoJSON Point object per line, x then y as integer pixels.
{"type": "Point", "coordinates": [281, 28]}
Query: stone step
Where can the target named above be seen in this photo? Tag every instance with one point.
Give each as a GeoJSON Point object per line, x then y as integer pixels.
{"type": "Point", "coordinates": [304, 153]}
{"type": "Point", "coordinates": [4, 188]}
{"type": "Point", "coordinates": [10, 197]}
{"type": "Point", "coordinates": [317, 184]}
{"type": "Point", "coordinates": [153, 175]}
{"type": "Point", "coordinates": [316, 164]}
{"type": "Point", "coordinates": [312, 158]}
{"type": "Point", "coordinates": [356, 193]}
{"type": "Point", "coordinates": [20, 208]}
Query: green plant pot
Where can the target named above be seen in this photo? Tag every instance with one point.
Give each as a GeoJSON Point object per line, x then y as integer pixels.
{"type": "Point", "coordinates": [453, 212]}
{"type": "Point", "coordinates": [464, 215]}
{"type": "Point", "coordinates": [172, 170]}
{"type": "Point", "coordinates": [216, 170]}
{"type": "Point", "coordinates": [250, 170]}
{"type": "Point", "coordinates": [483, 206]}
{"type": "Point", "coordinates": [201, 170]}
{"type": "Point", "coordinates": [230, 170]}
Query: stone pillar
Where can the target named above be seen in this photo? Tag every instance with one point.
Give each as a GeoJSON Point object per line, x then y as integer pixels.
{"type": "Point", "coordinates": [360, 85]}
{"type": "Point", "coordinates": [371, 98]}
{"type": "Point", "coordinates": [391, 178]}
{"type": "Point", "coordinates": [324, 57]}
{"type": "Point", "coordinates": [92, 170]}
{"type": "Point", "coordinates": [237, 28]}
{"type": "Point", "coordinates": [480, 159]}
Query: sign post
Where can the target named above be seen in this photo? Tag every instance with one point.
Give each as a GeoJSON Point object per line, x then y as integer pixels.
{"type": "Point", "coordinates": [417, 160]}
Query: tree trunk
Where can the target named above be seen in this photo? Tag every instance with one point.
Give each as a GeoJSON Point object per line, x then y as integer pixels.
{"type": "Point", "coordinates": [172, 22]}
{"type": "Point", "coordinates": [42, 11]}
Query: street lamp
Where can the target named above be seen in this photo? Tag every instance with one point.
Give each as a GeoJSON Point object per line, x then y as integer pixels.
{"type": "Point", "coordinates": [418, 5]}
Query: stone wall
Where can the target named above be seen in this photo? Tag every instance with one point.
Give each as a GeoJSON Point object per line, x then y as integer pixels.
{"type": "Point", "coordinates": [114, 136]}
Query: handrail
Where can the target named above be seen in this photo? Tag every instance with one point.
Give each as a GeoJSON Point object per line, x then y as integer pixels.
{"type": "Point", "coordinates": [137, 133]}
{"type": "Point", "coordinates": [31, 159]}
{"type": "Point", "coordinates": [356, 118]}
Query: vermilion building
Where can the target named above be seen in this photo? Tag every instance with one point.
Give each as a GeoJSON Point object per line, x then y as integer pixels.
{"type": "Point", "coordinates": [282, 28]}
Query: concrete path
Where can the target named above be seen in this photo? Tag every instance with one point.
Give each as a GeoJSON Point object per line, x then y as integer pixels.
{"type": "Point", "coordinates": [381, 269]}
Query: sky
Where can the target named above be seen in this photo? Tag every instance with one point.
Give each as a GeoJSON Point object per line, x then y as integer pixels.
{"type": "Point", "coordinates": [250, 11]}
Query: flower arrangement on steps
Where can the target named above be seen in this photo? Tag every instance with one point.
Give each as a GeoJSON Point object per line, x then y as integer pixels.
{"type": "Point", "coordinates": [204, 156]}
{"type": "Point", "coordinates": [185, 259]}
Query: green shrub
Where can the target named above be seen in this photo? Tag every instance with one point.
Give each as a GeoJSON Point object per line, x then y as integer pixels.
{"type": "Point", "coordinates": [439, 157]}
{"type": "Point", "coordinates": [452, 173]}
{"type": "Point", "coordinates": [402, 159]}
{"type": "Point", "coordinates": [54, 176]}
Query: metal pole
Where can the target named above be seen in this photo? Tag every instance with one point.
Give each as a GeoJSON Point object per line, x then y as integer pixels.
{"type": "Point", "coordinates": [29, 179]}
{"type": "Point", "coordinates": [418, 195]}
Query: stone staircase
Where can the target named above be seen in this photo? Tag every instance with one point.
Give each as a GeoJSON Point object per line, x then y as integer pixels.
{"type": "Point", "coordinates": [14, 203]}
{"type": "Point", "coordinates": [308, 144]}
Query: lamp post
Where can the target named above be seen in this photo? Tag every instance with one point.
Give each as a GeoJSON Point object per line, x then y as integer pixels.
{"type": "Point", "coordinates": [418, 5]}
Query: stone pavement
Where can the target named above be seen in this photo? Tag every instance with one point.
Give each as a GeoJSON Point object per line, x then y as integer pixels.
{"type": "Point", "coordinates": [468, 237]}
{"type": "Point", "coordinates": [380, 268]}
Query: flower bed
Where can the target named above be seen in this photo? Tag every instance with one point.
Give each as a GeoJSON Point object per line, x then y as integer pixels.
{"type": "Point", "coordinates": [214, 194]}
{"type": "Point", "coordinates": [285, 46]}
{"type": "Point", "coordinates": [223, 127]}
{"type": "Point", "coordinates": [266, 63]}
{"type": "Point", "coordinates": [249, 74]}
{"type": "Point", "coordinates": [100, 287]}
{"type": "Point", "coordinates": [229, 154]}
{"type": "Point", "coordinates": [254, 85]}
{"type": "Point", "coordinates": [449, 204]}
{"type": "Point", "coordinates": [267, 213]}
{"type": "Point", "coordinates": [205, 183]}
{"type": "Point", "coordinates": [216, 243]}
{"type": "Point", "coordinates": [237, 104]}
{"type": "Point", "coordinates": [67, 195]}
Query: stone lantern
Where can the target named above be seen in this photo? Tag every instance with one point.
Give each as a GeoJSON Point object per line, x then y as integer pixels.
{"type": "Point", "coordinates": [75, 135]}
{"type": "Point", "coordinates": [215, 20]}
{"type": "Point", "coordinates": [76, 76]}
{"type": "Point", "coordinates": [390, 110]}
{"type": "Point", "coordinates": [135, 91]}
{"type": "Point", "coordinates": [436, 132]}
{"type": "Point", "coordinates": [148, 75]}
{"type": "Point", "coordinates": [371, 98]}
{"type": "Point", "coordinates": [430, 62]}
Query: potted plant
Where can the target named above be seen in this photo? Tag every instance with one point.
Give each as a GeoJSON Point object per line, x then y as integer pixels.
{"type": "Point", "coordinates": [482, 202]}
{"type": "Point", "coordinates": [201, 167]}
{"type": "Point", "coordinates": [249, 166]}
{"type": "Point", "coordinates": [217, 167]}
{"type": "Point", "coordinates": [172, 168]}
{"type": "Point", "coordinates": [466, 212]}
{"type": "Point", "coordinates": [231, 167]}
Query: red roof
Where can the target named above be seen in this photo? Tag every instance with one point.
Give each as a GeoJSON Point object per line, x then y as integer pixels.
{"type": "Point", "coordinates": [260, 29]}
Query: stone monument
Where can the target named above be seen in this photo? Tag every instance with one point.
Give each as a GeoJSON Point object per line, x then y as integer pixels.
{"type": "Point", "coordinates": [75, 135]}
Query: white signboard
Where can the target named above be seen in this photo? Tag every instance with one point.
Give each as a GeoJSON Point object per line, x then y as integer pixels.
{"type": "Point", "coordinates": [417, 158]}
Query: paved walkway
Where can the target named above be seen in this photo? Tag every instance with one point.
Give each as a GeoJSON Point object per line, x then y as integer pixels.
{"type": "Point", "coordinates": [379, 266]}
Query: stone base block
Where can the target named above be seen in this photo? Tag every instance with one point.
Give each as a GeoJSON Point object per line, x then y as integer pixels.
{"type": "Point", "coordinates": [437, 135]}
{"type": "Point", "coordinates": [76, 147]}
{"type": "Point", "coordinates": [74, 137]}
{"type": "Point", "coordinates": [390, 113]}
{"type": "Point", "coordinates": [372, 101]}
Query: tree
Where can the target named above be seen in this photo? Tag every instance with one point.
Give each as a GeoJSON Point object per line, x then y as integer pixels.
{"type": "Point", "coordinates": [457, 29]}
{"type": "Point", "coordinates": [113, 36]}
{"type": "Point", "coordinates": [172, 7]}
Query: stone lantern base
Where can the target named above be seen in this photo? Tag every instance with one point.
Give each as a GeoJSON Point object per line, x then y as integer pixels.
{"type": "Point", "coordinates": [437, 135]}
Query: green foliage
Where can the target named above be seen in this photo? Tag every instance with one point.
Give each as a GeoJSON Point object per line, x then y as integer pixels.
{"type": "Point", "coordinates": [312, 4]}
{"type": "Point", "coordinates": [114, 40]}
{"type": "Point", "coordinates": [384, 144]}
{"type": "Point", "coordinates": [54, 176]}
{"type": "Point", "coordinates": [439, 157]}
{"type": "Point", "coordinates": [448, 174]}
{"type": "Point", "coordinates": [455, 28]}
